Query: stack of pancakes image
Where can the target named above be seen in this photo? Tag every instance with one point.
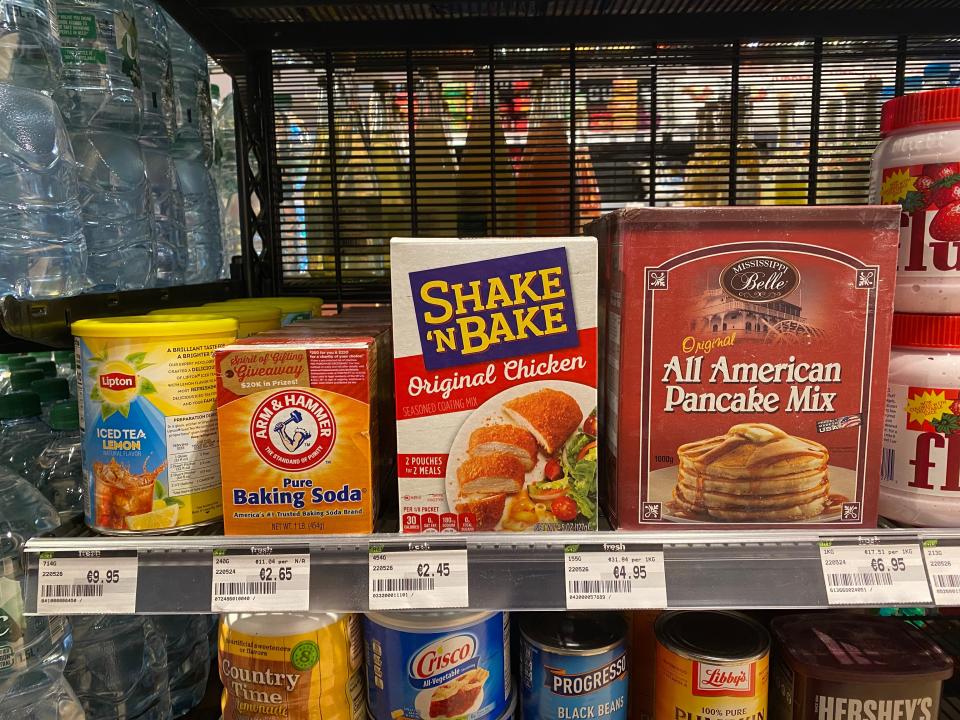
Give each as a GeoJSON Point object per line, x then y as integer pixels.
{"type": "Point", "coordinates": [754, 473]}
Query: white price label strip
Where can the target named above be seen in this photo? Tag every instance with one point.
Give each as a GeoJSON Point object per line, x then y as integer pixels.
{"type": "Point", "coordinates": [88, 581]}
{"type": "Point", "coordinates": [261, 578]}
{"type": "Point", "coordinates": [614, 576]}
{"type": "Point", "coordinates": [943, 569]}
{"type": "Point", "coordinates": [889, 574]}
{"type": "Point", "coordinates": [415, 577]}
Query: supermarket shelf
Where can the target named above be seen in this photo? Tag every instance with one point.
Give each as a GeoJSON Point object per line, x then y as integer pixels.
{"type": "Point", "coordinates": [28, 323]}
{"type": "Point", "coordinates": [758, 569]}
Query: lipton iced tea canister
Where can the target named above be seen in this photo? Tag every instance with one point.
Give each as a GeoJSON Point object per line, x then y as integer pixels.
{"type": "Point", "coordinates": [147, 390]}
{"type": "Point", "coordinates": [250, 320]}
{"type": "Point", "coordinates": [840, 666]}
{"type": "Point", "coordinates": [710, 664]}
{"type": "Point", "coordinates": [294, 308]}
{"type": "Point", "coordinates": [573, 666]}
{"type": "Point", "coordinates": [438, 665]}
{"type": "Point", "coordinates": [291, 665]}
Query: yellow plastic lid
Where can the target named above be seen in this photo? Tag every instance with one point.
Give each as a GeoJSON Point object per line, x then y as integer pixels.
{"type": "Point", "coordinates": [287, 303]}
{"type": "Point", "coordinates": [253, 313]}
{"type": "Point", "coordinates": [155, 325]}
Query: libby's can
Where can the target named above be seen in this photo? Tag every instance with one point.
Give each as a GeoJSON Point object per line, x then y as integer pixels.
{"type": "Point", "coordinates": [711, 664]}
{"type": "Point", "coordinates": [573, 666]}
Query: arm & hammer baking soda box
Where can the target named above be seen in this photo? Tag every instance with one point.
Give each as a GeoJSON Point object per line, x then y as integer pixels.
{"type": "Point", "coordinates": [495, 365]}
{"type": "Point", "coordinates": [301, 417]}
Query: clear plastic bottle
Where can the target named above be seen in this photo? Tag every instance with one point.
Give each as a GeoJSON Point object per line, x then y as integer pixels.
{"type": "Point", "coordinates": [227, 182]}
{"type": "Point", "coordinates": [168, 215]}
{"type": "Point", "coordinates": [201, 211]}
{"type": "Point", "coordinates": [118, 668]}
{"type": "Point", "coordinates": [102, 84]}
{"type": "Point", "coordinates": [51, 391]}
{"type": "Point", "coordinates": [117, 210]}
{"type": "Point", "coordinates": [66, 368]}
{"type": "Point", "coordinates": [30, 44]}
{"type": "Point", "coordinates": [157, 73]}
{"type": "Point", "coordinates": [193, 124]}
{"type": "Point", "coordinates": [23, 510]}
{"type": "Point", "coordinates": [59, 470]}
{"type": "Point", "coordinates": [42, 245]}
{"type": "Point", "coordinates": [23, 433]}
{"type": "Point", "coordinates": [188, 658]}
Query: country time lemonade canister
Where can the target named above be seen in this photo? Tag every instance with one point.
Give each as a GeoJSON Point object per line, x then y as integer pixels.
{"type": "Point", "coordinates": [147, 390]}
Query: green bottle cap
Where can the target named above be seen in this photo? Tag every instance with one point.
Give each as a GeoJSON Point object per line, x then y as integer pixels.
{"type": "Point", "coordinates": [21, 379]}
{"type": "Point", "coordinates": [41, 354]}
{"type": "Point", "coordinates": [19, 404]}
{"type": "Point", "coordinates": [63, 356]}
{"type": "Point", "coordinates": [47, 367]}
{"type": "Point", "coordinates": [65, 415]}
{"type": "Point", "coordinates": [51, 389]}
{"type": "Point", "coordinates": [19, 362]}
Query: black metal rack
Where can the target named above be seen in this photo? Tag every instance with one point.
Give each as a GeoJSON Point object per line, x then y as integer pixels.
{"type": "Point", "coordinates": [833, 62]}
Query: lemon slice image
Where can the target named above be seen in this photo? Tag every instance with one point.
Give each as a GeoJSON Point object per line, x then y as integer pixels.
{"type": "Point", "coordinates": [155, 519]}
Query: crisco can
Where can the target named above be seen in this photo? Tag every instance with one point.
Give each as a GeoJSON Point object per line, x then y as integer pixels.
{"type": "Point", "coordinates": [438, 665]}
{"type": "Point", "coordinates": [147, 390]}
{"type": "Point", "coordinates": [573, 666]}
{"type": "Point", "coordinates": [306, 666]}
{"type": "Point", "coordinates": [710, 664]}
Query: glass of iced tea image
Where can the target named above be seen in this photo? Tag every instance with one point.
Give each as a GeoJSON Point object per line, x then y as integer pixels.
{"type": "Point", "coordinates": [120, 493]}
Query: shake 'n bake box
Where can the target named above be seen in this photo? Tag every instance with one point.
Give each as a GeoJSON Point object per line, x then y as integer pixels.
{"type": "Point", "coordinates": [300, 421]}
{"type": "Point", "coordinates": [495, 347]}
{"type": "Point", "coordinates": [745, 369]}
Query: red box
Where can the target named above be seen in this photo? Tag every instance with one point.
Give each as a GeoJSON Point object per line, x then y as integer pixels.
{"type": "Point", "coordinates": [745, 367]}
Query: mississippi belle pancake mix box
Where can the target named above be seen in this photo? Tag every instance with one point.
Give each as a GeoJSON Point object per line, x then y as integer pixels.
{"type": "Point", "coordinates": [495, 365]}
{"type": "Point", "coordinates": [745, 364]}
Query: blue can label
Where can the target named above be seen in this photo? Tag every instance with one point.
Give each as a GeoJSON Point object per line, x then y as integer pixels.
{"type": "Point", "coordinates": [573, 687]}
{"type": "Point", "coordinates": [459, 673]}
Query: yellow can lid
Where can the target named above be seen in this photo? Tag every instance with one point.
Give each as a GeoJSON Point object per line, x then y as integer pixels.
{"type": "Point", "coordinates": [155, 325]}
{"type": "Point", "coordinates": [253, 313]}
{"type": "Point", "coordinates": [287, 303]}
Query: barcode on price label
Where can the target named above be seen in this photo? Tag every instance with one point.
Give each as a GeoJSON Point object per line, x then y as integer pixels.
{"type": "Point", "coordinates": [87, 581]}
{"type": "Point", "coordinates": [943, 568]}
{"type": "Point", "coordinates": [614, 575]}
{"type": "Point", "coordinates": [261, 578]}
{"type": "Point", "coordinates": [874, 573]}
{"type": "Point", "coordinates": [414, 576]}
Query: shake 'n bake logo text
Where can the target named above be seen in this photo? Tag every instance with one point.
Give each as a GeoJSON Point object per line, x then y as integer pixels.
{"type": "Point", "coordinates": [493, 309]}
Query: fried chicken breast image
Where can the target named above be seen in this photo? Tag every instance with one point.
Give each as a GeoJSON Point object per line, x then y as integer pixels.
{"type": "Point", "coordinates": [503, 438]}
{"type": "Point", "coordinates": [490, 474]}
{"type": "Point", "coordinates": [488, 509]}
{"type": "Point", "coordinates": [550, 415]}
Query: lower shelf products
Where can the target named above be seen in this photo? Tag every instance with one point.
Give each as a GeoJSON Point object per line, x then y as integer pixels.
{"type": "Point", "coordinates": [854, 667]}
{"type": "Point", "coordinates": [438, 665]}
{"type": "Point", "coordinates": [573, 666]}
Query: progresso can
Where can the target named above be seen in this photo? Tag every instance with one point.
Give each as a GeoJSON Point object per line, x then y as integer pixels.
{"type": "Point", "coordinates": [147, 389]}
{"type": "Point", "coordinates": [573, 666]}
{"type": "Point", "coordinates": [711, 664]}
{"type": "Point", "coordinates": [438, 665]}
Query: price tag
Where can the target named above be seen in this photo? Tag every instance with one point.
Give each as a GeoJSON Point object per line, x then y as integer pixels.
{"type": "Point", "coordinates": [615, 576]}
{"type": "Point", "coordinates": [874, 574]}
{"type": "Point", "coordinates": [261, 577]}
{"type": "Point", "coordinates": [943, 569]}
{"type": "Point", "coordinates": [414, 576]}
{"type": "Point", "coordinates": [87, 581]}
